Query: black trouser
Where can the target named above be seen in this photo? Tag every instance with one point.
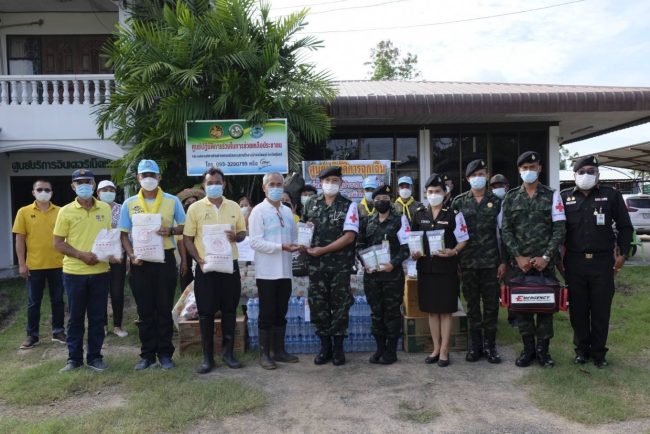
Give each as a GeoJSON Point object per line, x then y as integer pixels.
{"type": "Point", "coordinates": [153, 285]}
{"type": "Point", "coordinates": [118, 277]}
{"type": "Point", "coordinates": [591, 290]}
{"type": "Point", "coordinates": [274, 302]}
{"type": "Point", "coordinates": [218, 292]}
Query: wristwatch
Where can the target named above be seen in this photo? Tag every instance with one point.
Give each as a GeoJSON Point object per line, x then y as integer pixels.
{"type": "Point", "coordinates": [546, 258]}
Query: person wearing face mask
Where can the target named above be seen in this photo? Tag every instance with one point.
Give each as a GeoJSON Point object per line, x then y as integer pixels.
{"type": "Point", "coordinates": [481, 263]}
{"type": "Point", "coordinates": [273, 236]}
{"type": "Point", "coordinates": [384, 288]}
{"type": "Point", "coordinates": [153, 284]}
{"type": "Point", "coordinates": [405, 204]}
{"type": "Point", "coordinates": [533, 231]}
{"type": "Point", "coordinates": [39, 262]}
{"type": "Point", "coordinates": [106, 193]}
{"type": "Point", "coordinates": [449, 191]}
{"type": "Point", "coordinates": [438, 282]}
{"type": "Point", "coordinates": [86, 280]}
{"type": "Point", "coordinates": [331, 258]}
{"type": "Point", "coordinates": [306, 192]}
{"type": "Point", "coordinates": [594, 254]}
{"type": "Point", "coordinates": [499, 185]}
{"type": "Point", "coordinates": [215, 291]}
{"type": "Point", "coordinates": [186, 270]}
{"type": "Point", "coordinates": [366, 207]}
{"type": "Point", "coordinates": [246, 207]}
{"type": "Point", "coordinates": [288, 202]}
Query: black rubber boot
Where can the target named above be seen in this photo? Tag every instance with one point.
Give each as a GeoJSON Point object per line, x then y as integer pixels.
{"type": "Point", "coordinates": [528, 354]}
{"type": "Point", "coordinates": [325, 354]}
{"type": "Point", "coordinates": [381, 347]}
{"type": "Point", "coordinates": [390, 355]}
{"type": "Point", "coordinates": [490, 347]}
{"type": "Point", "coordinates": [265, 346]}
{"type": "Point", "coordinates": [206, 326]}
{"type": "Point", "coordinates": [338, 357]}
{"type": "Point", "coordinates": [228, 354]}
{"type": "Point", "coordinates": [277, 346]}
{"type": "Point", "coordinates": [543, 356]}
{"type": "Point", "coordinates": [476, 350]}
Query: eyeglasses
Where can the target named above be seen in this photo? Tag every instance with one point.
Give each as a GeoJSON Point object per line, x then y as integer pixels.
{"type": "Point", "coordinates": [587, 171]}
{"type": "Point", "coordinates": [41, 190]}
{"type": "Point", "coordinates": [280, 218]}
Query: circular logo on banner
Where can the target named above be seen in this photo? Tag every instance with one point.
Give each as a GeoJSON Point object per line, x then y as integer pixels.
{"type": "Point", "coordinates": [236, 131]}
{"type": "Point", "coordinates": [216, 131]}
{"type": "Point", "coordinates": [257, 131]}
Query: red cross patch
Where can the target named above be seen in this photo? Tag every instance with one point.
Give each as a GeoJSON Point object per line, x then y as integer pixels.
{"type": "Point", "coordinates": [559, 207]}
{"type": "Point", "coordinates": [353, 218]}
{"type": "Point", "coordinates": [463, 228]}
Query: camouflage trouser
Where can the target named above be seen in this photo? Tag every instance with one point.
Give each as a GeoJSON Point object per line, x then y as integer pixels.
{"type": "Point", "coordinates": [330, 300]}
{"type": "Point", "coordinates": [481, 284]}
{"type": "Point", "coordinates": [385, 299]}
{"type": "Point", "coordinates": [542, 327]}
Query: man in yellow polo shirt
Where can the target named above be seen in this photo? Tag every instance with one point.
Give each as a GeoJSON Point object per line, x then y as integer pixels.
{"type": "Point", "coordinates": [215, 291]}
{"type": "Point", "coordinates": [86, 280]}
{"type": "Point", "coordinates": [39, 261]}
{"type": "Point", "coordinates": [153, 283]}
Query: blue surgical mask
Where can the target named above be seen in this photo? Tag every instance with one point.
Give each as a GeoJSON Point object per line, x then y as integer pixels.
{"type": "Point", "coordinates": [499, 192]}
{"type": "Point", "coordinates": [214, 191]}
{"type": "Point", "coordinates": [368, 195]}
{"type": "Point", "coordinates": [477, 182]}
{"type": "Point", "coordinates": [107, 196]}
{"type": "Point", "coordinates": [528, 176]}
{"type": "Point", "coordinates": [84, 191]}
{"type": "Point", "coordinates": [275, 193]}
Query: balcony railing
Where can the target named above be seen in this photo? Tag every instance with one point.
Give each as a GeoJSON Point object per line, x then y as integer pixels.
{"type": "Point", "coordinates": [56, 89]}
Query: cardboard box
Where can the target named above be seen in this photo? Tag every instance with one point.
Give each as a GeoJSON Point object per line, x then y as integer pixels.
{"type": "Point", "coordinates": [190, 335]}
{"type": "Point", "coordinates": [417, 336]}
{"type": "Point", "coordinates": [420, 326]}
{"type": "Point", "coordinates": [411, 303]}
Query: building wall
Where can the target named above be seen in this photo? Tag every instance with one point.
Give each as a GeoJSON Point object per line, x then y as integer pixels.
{"type": "Point", "coordinates": [54, 24]}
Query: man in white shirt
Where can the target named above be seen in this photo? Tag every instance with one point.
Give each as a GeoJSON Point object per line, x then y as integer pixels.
{"type": "Point", "coordinates": [273, 236]}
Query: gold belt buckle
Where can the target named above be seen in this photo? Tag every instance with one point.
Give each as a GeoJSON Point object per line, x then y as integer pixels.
{"type": "Point", "coordinates": [589, 256]}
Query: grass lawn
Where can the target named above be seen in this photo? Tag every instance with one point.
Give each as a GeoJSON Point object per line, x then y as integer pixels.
{"type": "Point", "coordinates": [117, 400]}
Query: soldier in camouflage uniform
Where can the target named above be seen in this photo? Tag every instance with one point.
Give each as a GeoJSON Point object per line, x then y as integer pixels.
{"type": "Point", "coordinates": [385, 288]}
{"type": "Point", "coordinates": [331, 258]}
{"type": "Point", "coordinates": [533, 231]}
{"type": "Point", "coordinates": [480, 262]}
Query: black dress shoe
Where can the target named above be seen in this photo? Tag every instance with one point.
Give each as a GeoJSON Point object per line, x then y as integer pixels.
{"type": "Point", "coordinates": [443, 363]}
{"type": "Point", "coordinates": [600, 363]}
{"type": "Point", "coordinates": [430, 360]}
{"type": "Point", "coordinates": [580, 359]}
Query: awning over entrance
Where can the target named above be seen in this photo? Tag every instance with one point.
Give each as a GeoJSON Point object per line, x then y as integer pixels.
{"type": "Point", "coordinates": [580, 112]}
{"type": "Point", "coordinates": [634, 157]}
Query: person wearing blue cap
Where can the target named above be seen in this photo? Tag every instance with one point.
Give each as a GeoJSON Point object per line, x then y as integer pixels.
{"type": "Point", "coordinates": [405, 204]}
{"type": "Point", "coordinates": [366, 206]}
{"type": "Point", "coordinates": [153, 284]}
{"type": "Point", "coordinates": [85, 278]}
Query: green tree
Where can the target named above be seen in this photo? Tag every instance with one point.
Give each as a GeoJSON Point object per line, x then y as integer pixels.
{"type": "Point", "coordinates": [386, 63]}
{"type": "Point", "coordinates": [184, 60]}
{"type": "Point", "coordinates": [566, 158]}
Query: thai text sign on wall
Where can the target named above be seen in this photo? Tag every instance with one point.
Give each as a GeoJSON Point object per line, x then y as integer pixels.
{"type": "Point", "coordinates": [237, 147]}
{"type": "Point", "coordinates": [354, 171]}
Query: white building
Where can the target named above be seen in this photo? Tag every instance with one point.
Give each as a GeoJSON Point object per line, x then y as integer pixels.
{"type": "Point", "coordinates": [52, 72]}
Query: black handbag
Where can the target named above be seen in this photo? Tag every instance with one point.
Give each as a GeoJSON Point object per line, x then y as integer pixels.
{"type": "Point", "coordinates": [533, 294]}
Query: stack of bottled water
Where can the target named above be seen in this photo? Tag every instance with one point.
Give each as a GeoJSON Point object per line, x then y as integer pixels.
{"type": "Point", "coordinates": [301, 334]}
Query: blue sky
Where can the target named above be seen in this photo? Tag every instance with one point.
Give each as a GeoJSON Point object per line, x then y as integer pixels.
{"type": "Point", "coordinates": [591, 42]}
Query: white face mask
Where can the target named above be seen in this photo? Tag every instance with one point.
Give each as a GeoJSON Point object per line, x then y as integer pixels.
{"type": "Point", "coordinates": [245, 210]}
{"type": "Point", "coordinates": [368, 196]}
{"type": "Point", "coordinates": [448, 189]}
{"type": "Point", "coordinates": [107, 196]}
{"type": "Point", "coordinates": [435, 199]}
{"type": "Point", "coordinates": [586, 181]}
{"type": "Point", "coordinates": [43, 196]}
{"type": "Point", "coordinates": [330, 189]}
{"type": "Point", "coordinates": [149, 184]}
{"type": "Point", "coordinates": [304, 199]}
{"type": "Point", "coordinates": [499, 192]}
{"type": "Point", "coordinates": [405, 193]}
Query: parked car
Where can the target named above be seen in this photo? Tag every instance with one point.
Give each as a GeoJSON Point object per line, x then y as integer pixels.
{"type": "Point", "coordinates": [638, 205]}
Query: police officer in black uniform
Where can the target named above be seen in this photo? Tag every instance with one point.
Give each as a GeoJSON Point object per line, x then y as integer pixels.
{"type": "Point", "coordinates": [594, 254]}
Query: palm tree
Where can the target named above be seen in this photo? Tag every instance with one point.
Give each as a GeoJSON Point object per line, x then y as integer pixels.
{"type": "Point", "coordinates": [210, 59]}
